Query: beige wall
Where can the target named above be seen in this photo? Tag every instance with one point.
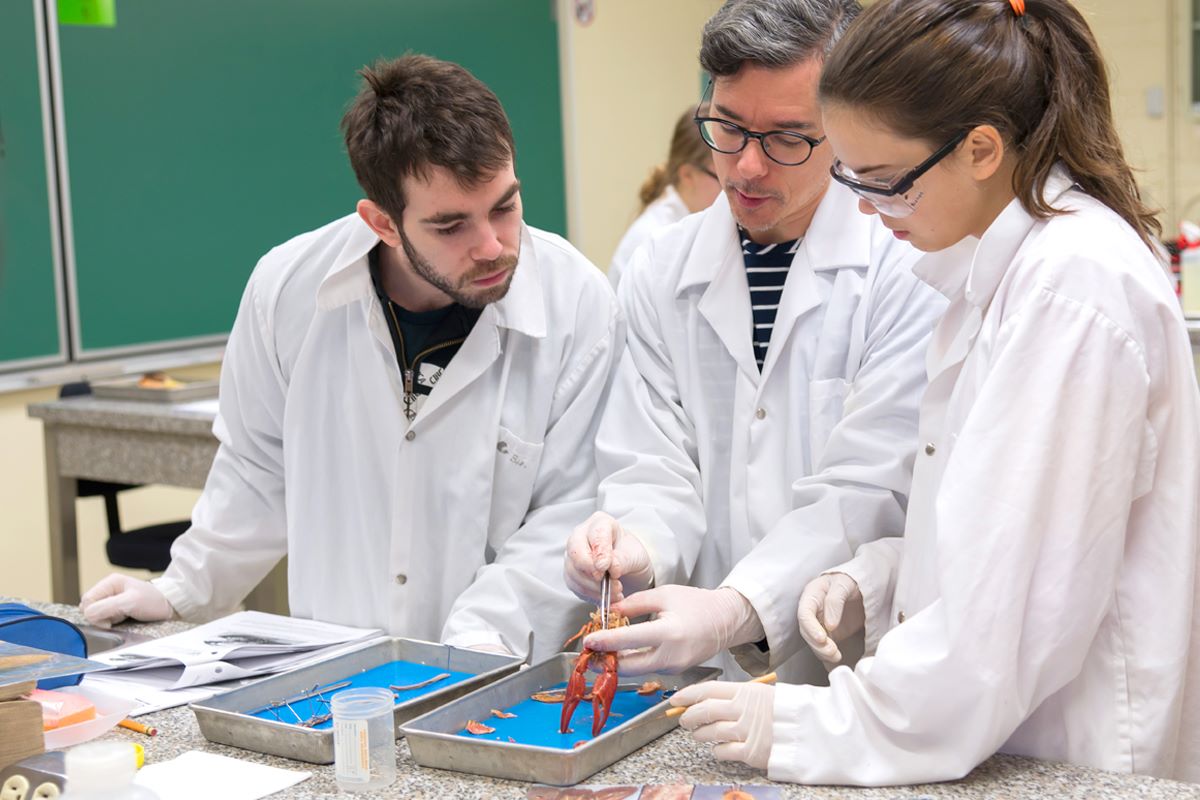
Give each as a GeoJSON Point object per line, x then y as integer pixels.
{"type": "Point", "coordinates": [626, 78]}
{"type": "Point", "coordinates": [1150, 51]}
{"type": "Point", "coordinates": [24, 523]}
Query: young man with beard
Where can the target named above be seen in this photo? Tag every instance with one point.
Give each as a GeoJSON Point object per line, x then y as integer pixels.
{"type": "Point", "coordinates": [409, 396]}
{"type": "Point", "coordinates": [764, 420]}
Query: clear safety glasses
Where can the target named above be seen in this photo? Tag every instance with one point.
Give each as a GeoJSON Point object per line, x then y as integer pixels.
{"type": "Point", "coordinates": [896, 199]}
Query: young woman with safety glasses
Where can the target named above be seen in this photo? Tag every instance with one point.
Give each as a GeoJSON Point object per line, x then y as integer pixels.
{"type": "Point", "coordinates": [1043, 600]}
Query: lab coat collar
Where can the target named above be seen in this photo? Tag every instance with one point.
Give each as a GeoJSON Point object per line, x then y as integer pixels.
{"type": "Point", "coordinates": [716, 246]}
{"type": "Point", "coordinates": [988, 258]}
{"type": "Point", "coordinates": [523, 309]}
{"type": "Point", "coordinates": [349, 280]}
{"type": "Point", "coordinates": [838, 236]}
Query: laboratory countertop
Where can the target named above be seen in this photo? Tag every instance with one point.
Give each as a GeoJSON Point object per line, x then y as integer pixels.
{"type": "Point", "coordinates": [195, 418]}
{"type": "Point", "coordinates": [674, 758]}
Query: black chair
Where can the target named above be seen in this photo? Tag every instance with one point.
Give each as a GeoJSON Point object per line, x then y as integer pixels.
{"type": "Point", "coordinates": [141, 548]}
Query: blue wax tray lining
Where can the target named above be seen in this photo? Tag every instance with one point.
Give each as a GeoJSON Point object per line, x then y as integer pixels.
{"type": "Point", "coordinates": [397, 673]}
{"type": "Point", "coordinates": [537, 723]}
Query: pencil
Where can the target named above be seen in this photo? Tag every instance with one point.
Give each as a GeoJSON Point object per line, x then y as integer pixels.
{"type": "Point", "coordinates": [134, 725]}
{"type": "Point", "coordinates": [769, 678]}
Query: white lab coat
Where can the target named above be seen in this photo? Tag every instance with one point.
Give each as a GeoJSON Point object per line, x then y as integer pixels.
{"type": "Point", "coordinates": [450, 528]}
{"type": "Point", "coordinates": [782, 474]}
{"type": "Point", "coordinates": [1047, 577]}
{"type": "Point", "coordinates": [664, 210]}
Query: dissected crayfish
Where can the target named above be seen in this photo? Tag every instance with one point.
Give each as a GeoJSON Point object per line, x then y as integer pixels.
{"type": "Point", "coordinates": [604, 688]}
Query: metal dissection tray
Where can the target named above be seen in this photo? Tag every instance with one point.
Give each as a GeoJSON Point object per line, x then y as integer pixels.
{"type": "Point", "coordinates": [225, 718]}
{"type": "Point", "coordinates": [437, 740]}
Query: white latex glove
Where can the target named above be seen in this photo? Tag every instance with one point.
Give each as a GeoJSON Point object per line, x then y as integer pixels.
{"type": "Point", "coordinates": [692, 626]}
{"type": "Point", "coordinates": [830, 611]}
{"type": "Point", "coordinates": [601, 545]}
{"type": "Point", "coordinates": [120, 596]}
{"type": "Point", "coordinates": [737, 717]}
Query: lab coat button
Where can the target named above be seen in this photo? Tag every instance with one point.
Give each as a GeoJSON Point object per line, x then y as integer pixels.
{"type": "Point", "coordinates": [410, 436]}
{"type": "Point", "coordinates": [761, 413]}
{"type": "Point", "coordinates": [401, 579]}
{"type": "Point", "coordinates": [501, 446]}
{"type": "Point", "coordinates": [900, 617]}
{"type": "Point", "coordinates": [930, 449]}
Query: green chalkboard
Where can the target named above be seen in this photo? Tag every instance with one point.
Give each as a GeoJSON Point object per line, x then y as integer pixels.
{"type": "Point", "coordinates": [201, 134]}
{"type": "Point", "coordinates": [29, 297]}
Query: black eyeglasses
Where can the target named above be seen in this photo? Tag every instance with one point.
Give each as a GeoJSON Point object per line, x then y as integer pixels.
{"type": "Point", "coordinates": [788, 148]}
{"type": "Point", "coordinates": [892, 199]}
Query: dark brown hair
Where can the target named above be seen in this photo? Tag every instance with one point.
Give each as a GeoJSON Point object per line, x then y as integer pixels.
{"type": "Point", "coordinates": [687, 147]}
{"type": "Point", "coordinates": [416, 112]}
{"type": "Point", "coordinates": [930, 69]}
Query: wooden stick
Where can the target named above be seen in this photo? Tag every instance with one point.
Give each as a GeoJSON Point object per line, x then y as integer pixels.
{"type": "Point", "coordinates": [769, 678]}
{"type": "Point", "coordinates": [420, 685]}
{"type": "Point", "coordinates": [23, 660]}
{"type": "Point", "coordinates": [134, 725]}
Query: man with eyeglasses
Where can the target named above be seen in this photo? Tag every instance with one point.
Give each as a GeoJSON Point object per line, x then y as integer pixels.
{"type": "Point", "coordinates": [763, 423]}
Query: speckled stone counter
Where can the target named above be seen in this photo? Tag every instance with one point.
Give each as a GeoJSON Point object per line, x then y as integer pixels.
{"type": "Point", "coordinates": [673, 758]}
{"type": "Point", "coordinates": [130, 441]}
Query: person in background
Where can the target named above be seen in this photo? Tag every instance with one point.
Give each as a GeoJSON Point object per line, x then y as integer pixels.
{"type": "Point", "coordinates": [1043, 600]}
{"type": "Point", "coordinates": [763, 422]}
{"type": "Point", "coordinates": [408, 398]}
{"type": "Point", "coordinates": [684, 185]}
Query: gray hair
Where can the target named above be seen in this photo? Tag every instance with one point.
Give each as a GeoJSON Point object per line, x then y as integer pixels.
{"type": "Point", "coordinates": [772, 33]}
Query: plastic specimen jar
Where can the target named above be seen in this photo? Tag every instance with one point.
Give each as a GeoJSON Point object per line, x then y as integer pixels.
{"type": "Point", "coordinates": [364, 739]}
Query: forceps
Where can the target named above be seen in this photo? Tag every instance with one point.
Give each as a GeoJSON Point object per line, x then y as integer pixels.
{"type": "Point", "coordinates": [605, 600]}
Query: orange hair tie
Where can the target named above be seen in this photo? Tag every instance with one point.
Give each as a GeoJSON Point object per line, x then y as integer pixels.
{"type": "Point", "coordinates": [1018, 7]}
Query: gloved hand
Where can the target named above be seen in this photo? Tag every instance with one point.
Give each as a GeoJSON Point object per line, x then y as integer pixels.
{"type": "Point", "coordinates": [120, 596]}
{"type": "Point", "coordinates": [830, 611]}
{"type": "Point", "coordinates": [693, 625]}
{"type": "Point", "coordinates": [738, 717]}
{"type": "Point", "coordinates": [601, 545]}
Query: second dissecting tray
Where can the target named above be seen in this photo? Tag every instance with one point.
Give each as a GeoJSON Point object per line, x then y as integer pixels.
{"type": "Point", "coordinates": [541, 754]}
{"type": "Point", "coordinates": [237, 718]}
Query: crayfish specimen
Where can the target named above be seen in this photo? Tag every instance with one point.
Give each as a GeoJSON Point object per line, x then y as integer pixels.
{"type": "Point", "coordinates": [604, 688]}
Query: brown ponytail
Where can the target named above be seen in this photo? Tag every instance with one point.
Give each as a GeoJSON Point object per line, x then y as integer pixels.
{"type": "Point", "coordinates": [687, 147]}
{"type": "Point", "coordinates": [653, 186]}
{"type": "Point", "coordinates": [930, 69]}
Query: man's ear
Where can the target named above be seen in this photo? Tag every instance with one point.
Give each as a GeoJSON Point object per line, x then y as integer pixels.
{"type": "Point", "coordinates": [984, 151]}
{"type": "Point", "coordinates": [379, 221]}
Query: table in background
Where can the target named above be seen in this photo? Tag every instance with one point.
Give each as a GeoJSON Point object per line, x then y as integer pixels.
{"type": "Point", "coordinates": [675, 758]}
{"type": "Point", "coordinates": [126, 442]}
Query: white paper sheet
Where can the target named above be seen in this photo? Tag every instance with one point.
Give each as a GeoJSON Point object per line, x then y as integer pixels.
{"type": "Point", "coordinates": [241, 645]}
{"type": "Point", "coordinates": [196, 775]}
{"type": "Point", "coordinates": [200, 662]}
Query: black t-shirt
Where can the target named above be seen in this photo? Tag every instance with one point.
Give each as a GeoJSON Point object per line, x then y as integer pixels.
{"type": "Point", "coordinates": [425, 341]}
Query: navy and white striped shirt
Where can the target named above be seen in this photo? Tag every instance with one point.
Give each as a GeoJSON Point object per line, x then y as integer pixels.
{"type": "Point", "coordinates": [766, 271]}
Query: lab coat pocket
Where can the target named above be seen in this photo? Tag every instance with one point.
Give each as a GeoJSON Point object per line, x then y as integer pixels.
{"type": "Point", "coordinates": [513, 480]}
{"type": "Point", "coordinates": [826, 399]}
